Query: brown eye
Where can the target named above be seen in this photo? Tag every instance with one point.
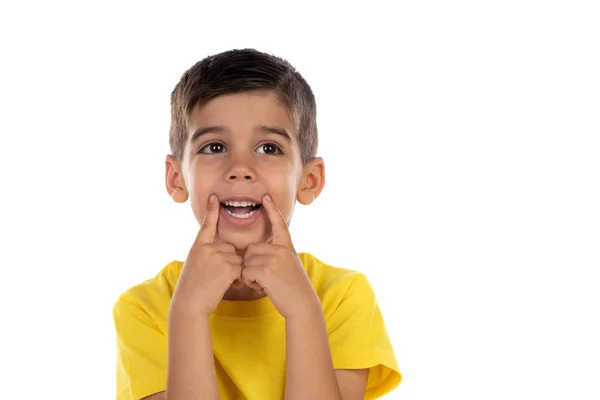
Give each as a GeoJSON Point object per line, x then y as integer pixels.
{"type": "Point", "coordinates": [213, 148]}
{"type": "Point", "coordinates": [269, 148]}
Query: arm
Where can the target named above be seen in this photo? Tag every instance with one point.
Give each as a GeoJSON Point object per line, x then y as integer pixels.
{"type": "Point", "coordinates": [351, 382]}
{"type": "Point", "coordinates": [190, 357]}
{"type": "Point", "coordinates": [276, 270]}
{"type": "Point", "coordinates": [309, 368]}
{"type": "Point", "coordinates": [209, 270]}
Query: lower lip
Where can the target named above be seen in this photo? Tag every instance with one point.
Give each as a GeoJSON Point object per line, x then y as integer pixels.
{"type": "Point", "coordinates": [240, 222]}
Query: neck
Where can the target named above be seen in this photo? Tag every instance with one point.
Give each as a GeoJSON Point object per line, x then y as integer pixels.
{"type": "Point", "coordinates": [243, 294]}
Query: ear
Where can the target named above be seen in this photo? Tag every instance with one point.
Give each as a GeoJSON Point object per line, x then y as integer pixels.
{"type": "Point", "coordinates": [313, 180]}
{"type": "Point", "coordinates": [174, 180]}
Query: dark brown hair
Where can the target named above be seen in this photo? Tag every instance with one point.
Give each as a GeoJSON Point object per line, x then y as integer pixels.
{"type": "Point", "coordinates": [236, 71]}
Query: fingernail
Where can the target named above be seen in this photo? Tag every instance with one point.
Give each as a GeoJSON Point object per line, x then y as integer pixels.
{"type": "Point", "coordinates": [267, 198]}
{"type": "Point", "coordinates": [212, 198]}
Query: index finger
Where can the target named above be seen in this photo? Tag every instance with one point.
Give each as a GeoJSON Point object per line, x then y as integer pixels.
{"type": "Point", "coordinates": [281, 233]}
{"type": "Point", "coordinates": [208, 229]}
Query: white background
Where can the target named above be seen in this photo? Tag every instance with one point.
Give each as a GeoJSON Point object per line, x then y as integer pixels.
{"type": "Point", "coordinates": [462, 153]}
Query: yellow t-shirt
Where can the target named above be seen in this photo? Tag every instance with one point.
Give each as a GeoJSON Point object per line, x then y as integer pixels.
{"type": "Point", "coordinates": [249, 336]}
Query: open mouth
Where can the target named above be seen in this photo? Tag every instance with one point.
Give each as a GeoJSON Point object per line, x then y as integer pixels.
{"type": "Point", "coordinates": [240, 209]}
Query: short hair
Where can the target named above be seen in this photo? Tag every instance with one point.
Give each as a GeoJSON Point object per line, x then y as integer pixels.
{"type": "Point", "coordinates": [237, 71]}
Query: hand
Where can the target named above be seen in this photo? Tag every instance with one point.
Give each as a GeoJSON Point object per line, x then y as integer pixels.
{"type": "Point", "coordinates": [209, 270]}
{"type": "Point", "coordinates": [275, 269]}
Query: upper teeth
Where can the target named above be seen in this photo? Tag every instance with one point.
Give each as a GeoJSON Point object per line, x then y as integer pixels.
{"type": "Point", "coordinates": [239, 203]}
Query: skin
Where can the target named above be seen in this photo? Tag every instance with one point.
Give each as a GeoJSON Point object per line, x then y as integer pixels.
{"type": "Point", "coordinates": [225, 262]}
{"type": "Point", "coordinates": [243, 168]}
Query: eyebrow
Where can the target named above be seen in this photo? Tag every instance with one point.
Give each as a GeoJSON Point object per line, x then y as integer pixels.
{"type": "Point", "coordinates": [219, 129]}
{"type": "Point", "coordinates": [203, 131]}
{"type": "Point", "coordinates": [276, 131]}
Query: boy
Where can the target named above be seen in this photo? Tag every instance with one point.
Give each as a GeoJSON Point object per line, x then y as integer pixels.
{"type": "Point", "coordinates": [245, 316]}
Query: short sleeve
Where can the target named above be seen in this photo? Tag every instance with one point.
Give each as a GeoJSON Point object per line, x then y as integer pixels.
{"type": "Point", "coordinates": [141, 351]}
{"type": "Point", "coordinates": [358, 338]}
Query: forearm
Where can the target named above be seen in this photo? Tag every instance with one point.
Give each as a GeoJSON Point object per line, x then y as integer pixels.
{"type": "Point", "coordinates": [309, 368]}
{"type": "Point", "coordinates": [191, 369]}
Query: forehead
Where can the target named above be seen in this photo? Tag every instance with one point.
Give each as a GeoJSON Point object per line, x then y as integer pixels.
{"type": "Point", "coordinates": [242, 112]}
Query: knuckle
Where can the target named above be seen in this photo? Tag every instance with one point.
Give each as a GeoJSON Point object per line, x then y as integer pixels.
{"type": "Point", "coordinates": [226, 247]}
{"type": "Point", "coordinates": [279, 254]}
{"type": "Point", "coordinates": [203, 251]}
{"type": "Point", "coordinates": [207, 224]}
{"type": "Point", "coordinates": [269, 270]}
{"type": "Point", "coordinates": [233, 267]}
{"type": "Point", "coordinates": [218, 246]}
{"type": "Point", "coordinates": [209, 249]}
{"type": "Point", "coordinates": [245, 274]}
{"type": "Point", "coordinates": [282, 224]}
{"type": "Point", "coordinates": [230, 247]}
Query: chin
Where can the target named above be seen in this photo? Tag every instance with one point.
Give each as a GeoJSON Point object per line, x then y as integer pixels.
{"type": "Point", "coordinates": [241, 240]}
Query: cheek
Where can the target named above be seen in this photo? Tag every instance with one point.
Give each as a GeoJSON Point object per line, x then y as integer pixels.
{"type": "Point", "coordinates": [283, 191]}
{"type": "Point", "coordinates": [201, 184]}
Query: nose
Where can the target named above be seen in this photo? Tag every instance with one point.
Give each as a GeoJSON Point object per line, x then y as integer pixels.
{"type": "Point", "coordinates": [240, 171]}
{"type": "Point", "coordinates": [236, 175]}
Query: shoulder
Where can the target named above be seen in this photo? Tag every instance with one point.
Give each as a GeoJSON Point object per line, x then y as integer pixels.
{"type": "Point", "coordinates": [322, 272]}
{"type": "Point", "coordinates": [150, 297]}
{"type": "Point", "coordinates": [335, 284]}
{"type": "Point", "coordinates": [326, 275]}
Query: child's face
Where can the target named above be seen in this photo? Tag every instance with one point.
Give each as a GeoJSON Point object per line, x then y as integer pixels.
{"type": "Point", "coordinates": [240, 147]}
